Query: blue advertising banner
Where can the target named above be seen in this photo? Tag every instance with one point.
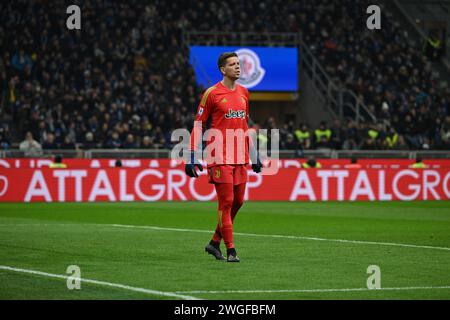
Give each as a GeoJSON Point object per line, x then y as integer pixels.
{"type": "Point", "coordinates": [262, 68]}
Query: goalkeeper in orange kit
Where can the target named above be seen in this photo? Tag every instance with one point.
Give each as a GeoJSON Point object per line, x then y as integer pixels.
{"type": "Point", "coordinates": [226, 104]}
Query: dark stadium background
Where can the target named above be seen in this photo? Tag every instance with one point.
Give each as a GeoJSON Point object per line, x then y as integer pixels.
{"type": "Point", "coordinates": [124, 81]}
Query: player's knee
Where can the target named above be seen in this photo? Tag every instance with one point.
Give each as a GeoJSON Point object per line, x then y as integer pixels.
{"type": "Point", "coordinates": [226, 221]}
{"type": "Point", "coordinates": [226, 202]}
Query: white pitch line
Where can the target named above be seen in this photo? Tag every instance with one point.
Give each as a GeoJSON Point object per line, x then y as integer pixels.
{"type": "Point", "coordinates": [103, 283]}
{"type": "Point", "coordinates": [310, 290]}
{"type": "Point", "coordinates": [249, 235]}
{"type": "Point", "coordinates": [183, 294]}
{"type": "Point", "coordinates": [287, 237]}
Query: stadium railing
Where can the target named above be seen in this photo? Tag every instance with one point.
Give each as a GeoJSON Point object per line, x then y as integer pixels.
{"type": "Point", "coordinates": [282, 154]}
{"type": "Point", "coordinates": [340, 101]}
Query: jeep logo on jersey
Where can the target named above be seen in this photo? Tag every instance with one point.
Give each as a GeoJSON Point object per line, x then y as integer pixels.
{"type": "Point", "coordinates": [240, 114]}
{"type": "Point", "coordinates": [251, 71]}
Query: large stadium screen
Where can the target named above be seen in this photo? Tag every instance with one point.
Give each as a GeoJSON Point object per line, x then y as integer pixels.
{"type": "Point", "coordinates": [262, 68]}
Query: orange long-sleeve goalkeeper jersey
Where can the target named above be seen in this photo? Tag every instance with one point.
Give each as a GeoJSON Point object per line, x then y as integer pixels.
{"type": "Point", "coordinates": [228, 109]}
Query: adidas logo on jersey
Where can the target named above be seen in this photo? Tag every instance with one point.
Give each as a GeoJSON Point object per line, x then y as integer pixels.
{"type": "Point", "coordinates": [239, 114]}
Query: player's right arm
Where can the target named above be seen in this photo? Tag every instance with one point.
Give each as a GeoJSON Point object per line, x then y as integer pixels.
{"type": "Point", "coordinates": [201, 117]}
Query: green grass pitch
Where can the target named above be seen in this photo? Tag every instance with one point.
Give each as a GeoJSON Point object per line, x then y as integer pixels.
{"type": "Point", "coordinates": [287, 250]}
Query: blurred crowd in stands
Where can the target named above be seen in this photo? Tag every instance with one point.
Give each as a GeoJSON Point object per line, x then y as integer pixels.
{"type": "Point", "coordinates": [124, 80]}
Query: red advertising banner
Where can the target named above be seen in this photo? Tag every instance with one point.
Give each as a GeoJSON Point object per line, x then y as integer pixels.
{"type": "Point", "coordinates": [172, 184]}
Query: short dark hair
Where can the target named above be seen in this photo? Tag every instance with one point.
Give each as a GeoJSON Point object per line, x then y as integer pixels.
{"type": "Point", "coordinates": [223, 58]}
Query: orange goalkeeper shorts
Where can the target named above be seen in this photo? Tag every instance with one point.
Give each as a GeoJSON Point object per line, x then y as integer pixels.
{"type": "Point", "coordinates": [228, 173]}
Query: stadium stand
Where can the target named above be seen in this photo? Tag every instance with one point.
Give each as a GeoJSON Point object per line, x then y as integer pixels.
{"type": "Point", "coordinates": [125, 80]}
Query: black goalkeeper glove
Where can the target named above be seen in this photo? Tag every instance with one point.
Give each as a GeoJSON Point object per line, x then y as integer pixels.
{"type": "Point", "coordinates": [256, 167]}
{"type": "Point", "coordinates": [190, 167]}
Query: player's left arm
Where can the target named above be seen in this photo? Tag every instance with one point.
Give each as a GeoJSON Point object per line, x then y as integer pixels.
{"type": "Point", "coordinates": [253, 152]}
